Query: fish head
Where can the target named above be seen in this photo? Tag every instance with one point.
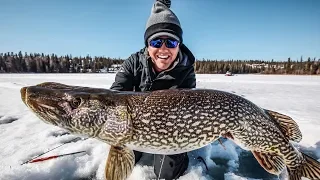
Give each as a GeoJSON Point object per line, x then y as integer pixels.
{"type": "Point", "coordinates": [87, 111]}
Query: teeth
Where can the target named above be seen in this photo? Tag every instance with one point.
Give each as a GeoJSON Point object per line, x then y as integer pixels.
{"type": "Point", "coordinates": [162, 57]}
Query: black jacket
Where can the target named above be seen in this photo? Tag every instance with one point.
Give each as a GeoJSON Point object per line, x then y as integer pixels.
{"type": "Point", "coordinates": [136, 73]}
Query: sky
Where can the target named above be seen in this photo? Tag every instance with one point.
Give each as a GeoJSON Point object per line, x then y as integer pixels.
{"type": "Point", "coordinates": [212, 29]}
{"type": "Point", "coordinates": [24, 136]}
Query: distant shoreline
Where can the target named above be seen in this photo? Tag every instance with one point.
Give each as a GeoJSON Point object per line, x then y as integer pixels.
{"type": "Point", "coordinates": [196, 73]}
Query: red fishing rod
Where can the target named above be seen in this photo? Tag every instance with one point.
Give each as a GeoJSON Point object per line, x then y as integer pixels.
{"type": "Point", "coordinates": [72, 140]}
{"type": "Point", "coordinates": [54, 157]}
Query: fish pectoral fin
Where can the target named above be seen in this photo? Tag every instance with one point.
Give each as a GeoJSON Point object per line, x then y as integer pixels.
{"type": "Point", "coordinates": [119, 164]}
{"type": "Point", "coordinates": [287, 125]}
{"type": "Point", "coordinates": [271, 162]}
{"type": "Point", "coordinates": [311, 169]}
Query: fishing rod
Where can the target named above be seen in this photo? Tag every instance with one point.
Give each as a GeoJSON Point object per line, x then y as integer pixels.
{"type": "Point", "coordinates": [74, 139]}
{"type": "Point", "coordinates": [54, 157]}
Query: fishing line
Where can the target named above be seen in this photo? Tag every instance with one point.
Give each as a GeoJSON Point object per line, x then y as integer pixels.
{"type": "Point", "coordinates": [161, 167]}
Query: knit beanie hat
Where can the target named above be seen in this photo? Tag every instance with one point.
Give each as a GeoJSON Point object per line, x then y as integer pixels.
{"type": "Point", "coordinates": [162, 22]}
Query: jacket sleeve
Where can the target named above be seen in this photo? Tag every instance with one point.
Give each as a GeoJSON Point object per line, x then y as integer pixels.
{"type": "Point", "coordinates": [190, 80]}
{"type": "Point", "coordinates": [125, 76]}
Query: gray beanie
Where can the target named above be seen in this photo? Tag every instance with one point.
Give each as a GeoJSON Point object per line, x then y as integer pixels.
{"type": "Point", "coordinates": [162, 21]}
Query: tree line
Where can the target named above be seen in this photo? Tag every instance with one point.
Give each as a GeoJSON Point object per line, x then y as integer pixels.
{"type": "Point", "coordinates": [45, 63]}
{"type": "Point", "coordinates": [298, 67]}
{"type": "Point", "coordinates": [50, 63]}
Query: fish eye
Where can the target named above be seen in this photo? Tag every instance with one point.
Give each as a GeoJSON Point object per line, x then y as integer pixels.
{"type": "Point", "coordinates": [75, 102]}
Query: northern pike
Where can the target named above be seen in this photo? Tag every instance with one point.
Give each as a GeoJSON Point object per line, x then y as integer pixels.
{"type": "Point", "coordinates": [170, 122]}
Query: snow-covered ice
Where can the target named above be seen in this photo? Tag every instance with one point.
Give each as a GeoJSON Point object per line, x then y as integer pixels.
{"type": "Point", "coordinates": [23, 135]}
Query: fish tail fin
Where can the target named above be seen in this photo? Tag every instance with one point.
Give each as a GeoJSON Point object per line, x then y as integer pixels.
{"type": "Point", "coordinates": [309, 169]}
{"type": "Point", "coordinates": [119, 164]}
{"type": "Point", "coordinates": [294, 175]}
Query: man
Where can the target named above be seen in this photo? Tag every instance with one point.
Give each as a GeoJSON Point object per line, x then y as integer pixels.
{"type": "Point", "coordinates": [164, 63]}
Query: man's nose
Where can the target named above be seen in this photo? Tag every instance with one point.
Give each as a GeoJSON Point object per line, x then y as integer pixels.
{"type": "Point", "coordinates": [163, 47]}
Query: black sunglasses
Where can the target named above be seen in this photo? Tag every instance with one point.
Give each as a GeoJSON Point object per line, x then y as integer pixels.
{"type": "Point", "coordinates": [170, 43]}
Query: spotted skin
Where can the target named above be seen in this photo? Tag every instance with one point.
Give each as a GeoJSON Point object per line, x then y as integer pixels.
{"type": "Point", "coordinates": [167, 121]}
{"type": "Point", "coordinates": [189, 119]}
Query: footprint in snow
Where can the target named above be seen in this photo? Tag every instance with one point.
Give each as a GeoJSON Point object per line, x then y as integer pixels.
{"type": "Point", "coordinates": [7, 120]}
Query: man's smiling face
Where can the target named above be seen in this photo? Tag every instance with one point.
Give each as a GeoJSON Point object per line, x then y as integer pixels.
{"type": "Point", "coordinates": [162, 57]}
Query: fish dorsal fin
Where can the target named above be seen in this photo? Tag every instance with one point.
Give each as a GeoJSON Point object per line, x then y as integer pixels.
{"type": "Point", "coordinates": [271, 162]}
{"type": "Point", "coordinates": [119, 164]}
{"type": "Point", "coordinates": [288, 126]}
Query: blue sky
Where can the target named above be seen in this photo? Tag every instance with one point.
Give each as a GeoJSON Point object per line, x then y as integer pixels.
{"type": "Point", "coordinates": [213, 29]}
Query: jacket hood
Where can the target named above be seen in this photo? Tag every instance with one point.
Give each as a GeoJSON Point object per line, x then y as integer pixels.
{"type": "Point", "coordinates": [186, 58]}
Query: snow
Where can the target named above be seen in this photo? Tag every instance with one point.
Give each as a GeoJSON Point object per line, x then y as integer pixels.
{"type": "Point", "coordinates": [23, 136]}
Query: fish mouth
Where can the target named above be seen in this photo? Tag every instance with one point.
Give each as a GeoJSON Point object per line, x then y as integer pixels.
{"type": "Point", "coordinates": [34, 98]}
{"type": "Point", "coordinates": [23, 92]}
{"type": "Point", "coordinates": [29, 98]}
{"type": "Point", "coordinates": [37, 96]}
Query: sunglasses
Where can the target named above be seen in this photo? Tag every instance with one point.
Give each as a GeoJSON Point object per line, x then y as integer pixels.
{"type": "Point", "coordinates": [170, 43]}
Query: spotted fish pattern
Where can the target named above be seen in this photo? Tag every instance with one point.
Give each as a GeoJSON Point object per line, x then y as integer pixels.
{"type": "Point", "coordinates": [173, 121]}
{"type": "Point", "coordinates": [189, 119]}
